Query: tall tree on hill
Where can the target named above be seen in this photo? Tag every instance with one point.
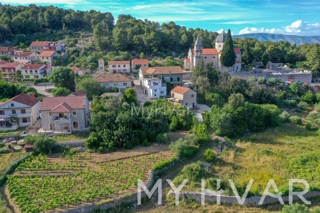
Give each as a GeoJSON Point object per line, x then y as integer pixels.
{"type": "Point", "coordinates": [247, 56]}
{"type": "Point", "coordinates": [63, 77]}
{"type": "Point", "coordinates": [228, 57]}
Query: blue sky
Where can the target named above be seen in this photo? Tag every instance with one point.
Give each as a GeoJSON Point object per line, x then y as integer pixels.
{"type": "Point", "coordinates": [273, 16]}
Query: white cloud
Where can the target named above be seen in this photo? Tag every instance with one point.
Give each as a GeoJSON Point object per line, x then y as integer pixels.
{"type": "Point", "coordinates": [298, 27]}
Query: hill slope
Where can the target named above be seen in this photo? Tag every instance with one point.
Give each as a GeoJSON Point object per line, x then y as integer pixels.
{"type": "Point", "coordinates": [279, 37]}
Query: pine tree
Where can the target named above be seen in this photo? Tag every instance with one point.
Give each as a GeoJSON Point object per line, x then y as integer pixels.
{"type": "Point", "coordinates": [228, 57]}
{"type": "Point", "coordinates": [265, 59]}
{"type": "Point", "coordinates": [247, 56]}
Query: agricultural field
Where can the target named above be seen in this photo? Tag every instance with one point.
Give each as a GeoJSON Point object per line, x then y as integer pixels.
{"type": "Point", "coordinates": [8, 159]}
{"type": "Point", "coordinates": [72, 137]}
{"type": "Point", "coordinates": [281, 153]}
{"type": "Point", "coordinates": [68, 180]}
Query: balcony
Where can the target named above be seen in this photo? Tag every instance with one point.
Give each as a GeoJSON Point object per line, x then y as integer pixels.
{"type": "Point", "coordinates": [64, 119]}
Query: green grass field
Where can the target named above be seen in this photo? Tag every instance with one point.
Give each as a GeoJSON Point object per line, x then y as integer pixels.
{"type": "Point", "coordinates": [73, 137]}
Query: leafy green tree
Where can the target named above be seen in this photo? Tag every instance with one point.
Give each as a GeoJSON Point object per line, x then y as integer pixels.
{"type": "Point", "coordinates": [42, 144]}
{"type": "Point", "coordinates": [265, 59]}
{"type": "Point", "coordinates": [294, 87]}
{"type": "Point", "coordinates": [209, 156]}
{"type": "Point", "coordinates": [228, 56]}
{"type": "Point", "coordinates": [142, 55]}
{"type": "Point", "coordinates": [63, 77]}
{"type": "Point", "coordinates": [91, 87]}
{"type": "Point", "coordinates": [60, 91]}
{"type": "Point", "coordinates": [309, 97]}
{"type": "Point", "coordinates": [130, 96]}
{"type": "Point", "coordinates": [236, 100]}
{"type": "Point", "coordinates": [247, 56]}
{"type": "Point", "coordinates": [6, 58]}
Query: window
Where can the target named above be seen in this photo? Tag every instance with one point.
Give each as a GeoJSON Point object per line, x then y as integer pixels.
{"type": "Point", "coordinates": [12, 105]}
{"type": "Point", "coordinates": [116, 84]}
{"type": "Point", "coordinates": [192, 95]}
{"type": "Point", "coordinates": [161, 92]}
{"type": "Point", "coordinates": [14, 111]}
{"type": "Point", "coordinates": [25, 120]}
{"type": "Point", "coordinates": [47, 57]}
{"type": "Point", "coordinates": [178, 79]}
{"type": "Point", "coordinates": [124, 84]}
{"type": "Point", "coordinates": [171, 79]}
{"type": "Point", "coordinates": [155, 95]}
{"type": "Point", "coordinates": [50, 113]}
{"type": "Point", "coordinates": [30, 71]}
{"type": "Point", "coordinates": [205, 57]}
{"type": "Point", "coordinates": [118, 65]}
{"type": "Point", "coordinates": [1, 112]}
{"type": "Point", "coordinates": [219, 45]}
{"type": "Point", "coordinates": [213, 57]}
{"type": "Point", "coordinates": [23, 111]}
{"type": "Point", "coordinates": [114, 66]}
{"type": "Point", "coordinates": [155, 90]}
{"type": "Point", "coordinates": [74, 113]}
{"type": "Point", "coordinates": [124, 70]}
{"type": "Point", "coordinates": [124, 65]}
{"type": "Point", "coordinates": [75, 125]}
{"type": "Point", "coordinates": [106, 84]}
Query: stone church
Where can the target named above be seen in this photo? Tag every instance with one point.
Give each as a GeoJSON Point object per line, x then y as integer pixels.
{"type": "Point", "coordinates": [211, 55]}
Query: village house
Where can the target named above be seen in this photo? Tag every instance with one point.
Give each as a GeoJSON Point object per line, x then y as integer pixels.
{"type": "Point", "coordinates": [35, 70]}
{"type": "Point", "coordinates": [274, 66]}
{"type": "Point", "coordinates": [153, 79]}
{"type": "Point", "coordinates": [39, 46]}
{"type": "Point", "coordinates": [3, 62]}
{"type": "Point", "coordinates": [65, 114]}
{"type": "Point", "coordinates": [184, 96]}
{"type": "Point", "coordinates": [9, 69]}
{"type": "Point", "coordinates": [110, 80]}
{"type": "Point", "coordinates": [47, 56]}
{"type": "Point", "coordinates": [137, 63]}
{"type": "Point", "coordinates": [119, 66]}
{"type": "Point", "coordinates": [211, 55]}
{"type": "Point", "coordinates": [20, 111]}
{"type": "Point", "coordinates": [7, 51]}
{"type": "Point", "coordinates": [24, 57]}
{"type": "Point", "coordinates": [79, 71]}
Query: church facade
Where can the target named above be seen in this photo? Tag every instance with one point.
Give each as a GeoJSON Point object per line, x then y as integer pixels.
{"type": "Point", "coordinates": [211, 55]}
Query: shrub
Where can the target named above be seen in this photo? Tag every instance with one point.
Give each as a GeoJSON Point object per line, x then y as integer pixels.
{"type": "Point", "coordinates": [289, 103]}
{"type": "Point", "coordinates": [42, 144]}
{"type": "Point", "coordinates": [188, 152]}
{"type": "Point", "coordinates": [308, 97]}
{"type": "Point", "coordinates": [295, 120]}
{"type": "Point", "coordinates": [183, 148]}
{"type": "Point", "coordinates": [308, 126]}
{"type": "Point", "coordinates": [272, 80]}
{"type": "Point", "coordinates": [284, 116]}
{"type": "Point", "coordinates": [193, 171]}
{"type": "Point", "coordinates": [262, 80]}
{"type": "Point", "coordinates": [147, 103]}
{"type": "Point", "coordinates": [60, 91]}
{"type": "Point", "coordinates": [318, 97]}
{"type": "Point", "coordinates": [295, 208]}
{"type": "Point", "coordinates": [317, 106]}
{"type": "Point", "coordinates": [163, 138]}
{"type": "Point", "coordinates": [303, 105]}
{"type": "Point", "coordinates": [164, 163]}
{"type": "Point", "coordinates": [209, 156]}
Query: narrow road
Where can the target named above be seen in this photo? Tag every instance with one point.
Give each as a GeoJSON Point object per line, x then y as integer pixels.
{"type": "Point", "coordinates": [42, 87]}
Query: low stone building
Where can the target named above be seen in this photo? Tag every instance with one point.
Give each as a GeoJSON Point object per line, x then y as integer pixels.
{"type": "Point", "coordinates": [119, 66]}
{"type": "Point", "coordinates": [65, 114]}
{"type": "Point", "coordinates": [110, 80]}
{"type": "Point", "coordinates": [184, 96]}
{"type": "Point", "coordinates": [137, 63]}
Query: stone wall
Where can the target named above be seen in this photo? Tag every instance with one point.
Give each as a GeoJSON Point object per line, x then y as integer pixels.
{"type": "Point", "coordinates": [250, 201]}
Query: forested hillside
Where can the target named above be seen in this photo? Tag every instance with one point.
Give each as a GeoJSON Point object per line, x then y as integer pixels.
{"type": "Point", "coordinates": [22, 25]}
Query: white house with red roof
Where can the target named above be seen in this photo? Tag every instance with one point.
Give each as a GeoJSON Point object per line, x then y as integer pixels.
{"type": "Point", "coordinates": [184, 96]}
{"type": "Point", "coordinates": [35, 70]}
{"type": "Point", "coordinates": [137, 63]}
{"type": "Point", "coordinates": [65, 114]}
{"type": "Point", "coordinates": [39, 46]}
{"type": "Point", "coordinates": [79, 71]}
{"type": "Point", "coordinates": [119, 66]}
{"type": "Point", "coordinates": [211, 55]}
{"type": "Point", "coordinates": [20, 111]}
{"type": "Point", "coordinates": [24, 57]}
{"type": "Point", "coordinates": [47, 56]}
{"type": "Point", "coordinates": [9, 69]}
{"type": "Point", "coordinates": [7, 51]}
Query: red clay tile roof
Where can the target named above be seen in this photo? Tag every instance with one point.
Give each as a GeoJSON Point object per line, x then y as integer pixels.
{"type": "Point", "coordinates": [63, 107]}
{"type": "Point", "coordinates": [118, 62]}
{"type": "Point", "coordinates": [75, 69]}
{"type": "Point", "coordinates": [26, 99]}
{"type": "Point", "coordinates": [180, 90]}
{"type": "Point", "coordinates": [78, 93]}
{"type": "Point", "coordinates": [10, 65]}
{"type": "Point", "coordinates": [110, 77]}
{"type": "Point", "coordinates": [47, 53]}
{"type": "Point", "coordinates": [24, 54]}
{"type": "Point", "coordinates": [140, 61]}
{"type": "Point", "coordinates": [210, 51]}
{"type": "Point", "coordinates": [40, 43]}
{"type": "Point", "coordinates": [3, 61]}
{"type": "Point", "coordinates": [163, 70]}
{"type": "Point", "coordinates": [46, 67]}
{"type": "Point", "coordinates": [75, 102]}
{"type": "Point", "coordinates": [6, 49]}
{"type": "Point", "coordinates": [237, 50]}
{"type": "Point", "coordinates": [32, 66]}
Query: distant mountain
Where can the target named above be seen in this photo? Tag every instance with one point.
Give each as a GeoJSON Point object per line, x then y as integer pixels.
{"type": "Point", "coordinates": [279, 37]}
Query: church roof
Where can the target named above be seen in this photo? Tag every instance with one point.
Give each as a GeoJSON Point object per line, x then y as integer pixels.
{"type": "Point", "coordinates": [237, 50]}
{"type": "Point", "coordinates": [207, 51]}
{"type": "Point", "coordinates": [221, 37]}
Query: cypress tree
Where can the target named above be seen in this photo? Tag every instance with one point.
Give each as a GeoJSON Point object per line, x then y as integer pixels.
{"type": "Point", "coordinates": [247, 56]}
{"type": "Point", "coordinates": [228, 57]}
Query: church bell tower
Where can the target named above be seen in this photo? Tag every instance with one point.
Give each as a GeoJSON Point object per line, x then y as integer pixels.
{"type": "Point", "coordinates": [197, 51]}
